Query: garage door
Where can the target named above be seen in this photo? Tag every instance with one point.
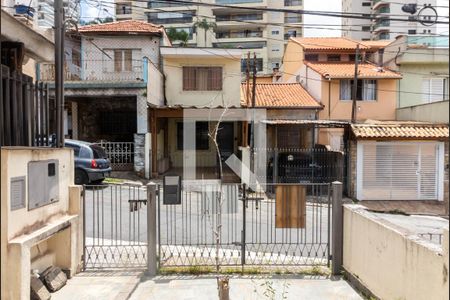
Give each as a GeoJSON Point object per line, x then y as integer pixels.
{"type": "Point", "coordinates": [399, 170]}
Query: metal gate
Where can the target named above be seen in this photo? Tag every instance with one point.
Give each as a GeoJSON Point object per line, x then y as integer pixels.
{"type": "Point", "coordinates": [251, 231]}
{"type": "Point", "coordinates": [115, 226]}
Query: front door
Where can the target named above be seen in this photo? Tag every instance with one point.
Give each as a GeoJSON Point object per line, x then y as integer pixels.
{"type": "Point", "coordinates": [225, 140]}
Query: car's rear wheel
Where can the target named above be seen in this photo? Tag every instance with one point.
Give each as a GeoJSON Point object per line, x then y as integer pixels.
{"type": "Point", "coordinates": [81, 177]}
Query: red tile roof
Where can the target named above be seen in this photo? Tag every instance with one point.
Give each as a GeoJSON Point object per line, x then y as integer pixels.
{"type": "Point", "coordinates": [125, 27]}
{"type": "Point", "coordinates": [329, 43]}
{"type": "Point", "coordinates": [347, 70]}
{"type": "Point", "coordinates": [279, 95]}
{"type": "Point", "coordinates": [398, 130]}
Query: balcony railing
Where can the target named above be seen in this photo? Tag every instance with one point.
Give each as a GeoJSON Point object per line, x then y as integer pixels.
{"type": "Point", "coordinates": [238, 34]}
{"type": "Point", "coordinates": [134, 70]}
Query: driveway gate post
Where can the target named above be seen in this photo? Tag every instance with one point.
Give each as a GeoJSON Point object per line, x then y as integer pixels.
{"type": "Point", "coordinates": [337, 237]}
{"type": "Point", "coordinates": [151, 229]}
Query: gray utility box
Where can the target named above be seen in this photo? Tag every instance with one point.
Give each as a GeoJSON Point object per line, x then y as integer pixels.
{"type": "Point", "coordinates": [43, 183]}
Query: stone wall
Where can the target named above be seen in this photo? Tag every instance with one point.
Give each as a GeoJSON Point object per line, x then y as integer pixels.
{"type": "Point", "coordinates": [139, 154]}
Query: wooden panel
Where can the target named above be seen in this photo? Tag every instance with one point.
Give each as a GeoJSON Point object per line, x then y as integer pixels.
{"type": "Point", "coordinates": [290, 206]}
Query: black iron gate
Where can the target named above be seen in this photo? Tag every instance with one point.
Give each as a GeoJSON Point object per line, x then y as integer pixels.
{"type": "Point", "coordinates": [115, 226]}
{"type": "Point", "coordinates": [271, 224]}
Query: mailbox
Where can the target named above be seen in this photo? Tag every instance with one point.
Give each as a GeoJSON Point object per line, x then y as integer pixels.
{"type": "Point", "coordinates": [43, 183]}
{"type": "Point", "coordinates": [172, 190]}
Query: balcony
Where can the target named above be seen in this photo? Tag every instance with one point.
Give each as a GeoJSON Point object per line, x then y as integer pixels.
{"type": "Point", "coordinates": [383, 10]}
{"type": "Point", "coordinates": [133, 73]}
{"type": "Point", "coordinates": [378, 3]}
{"type": "Point", "coordinates": [293, 2]}
{"type": "Point", "coordinates": [239, 34]}
{"type": "Point", "coordinates": [237, 1]}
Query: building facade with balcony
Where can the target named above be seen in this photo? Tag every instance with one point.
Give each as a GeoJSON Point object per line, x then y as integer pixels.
{"type": "Point", "coordinates": [423, 62]}
{"type": "Point", "coordinates": [381, 27]}
{"type": "Point", "coordinates": [262, 32]}
{"type": "Point", "coordinates": [111, 77]}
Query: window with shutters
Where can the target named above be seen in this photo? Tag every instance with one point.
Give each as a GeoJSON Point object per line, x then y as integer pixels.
{"type": "Point", "coordinates": [202, 78]}
{"type": "Point", "coordinates": [122, 60]}
{"type": "Point", "coordinates": [366, 90]}
{"type": "Point", "coordinates": [434, 89]}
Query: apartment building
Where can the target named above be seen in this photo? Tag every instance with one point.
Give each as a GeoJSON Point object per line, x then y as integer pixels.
{"type": "Point", "coordinates": [262, 32]}
{"type": "Point", "coordinates": [381, 28]}
{"type": "Point", "coordinates": [40, 13]}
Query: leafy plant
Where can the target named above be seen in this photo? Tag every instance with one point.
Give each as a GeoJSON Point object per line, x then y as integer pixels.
{"type": "Point", "coordinates": [178, 35]}
{"type": "Point", "coordinates": [206, 26]}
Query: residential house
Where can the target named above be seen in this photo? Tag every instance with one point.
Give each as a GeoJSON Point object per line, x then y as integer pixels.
{"type": "Point", "coordinates": [326, 67]}
{"type": "Point", "coordinates": [424, 89]}
{"type": "Point", "coordinates": [40, 217]}
{"type": "Point", "coordinates": [399, 160]}
{"type": "Point", "coordinates": [196, 79]}
{"type": "Point", "coordinates": [111, 77]}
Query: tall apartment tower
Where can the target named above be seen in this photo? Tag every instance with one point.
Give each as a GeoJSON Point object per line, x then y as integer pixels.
{"type": "Point", "coordinates": [382, 28]}
{"type": "Point", "coordinates": [40, 13]}
{"type": "Point", "coordinates": [262, 32]}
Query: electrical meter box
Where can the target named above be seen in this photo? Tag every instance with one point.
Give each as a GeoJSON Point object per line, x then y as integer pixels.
{"type": "Point", "coordinates": [172, 190]}
{"type": "Point", "coordinates": [43, 183]}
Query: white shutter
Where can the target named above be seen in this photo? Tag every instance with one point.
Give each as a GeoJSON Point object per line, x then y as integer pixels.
{"type": "Point", "coordinates": [426, 90]}
{"type": "Point", "coordinates": [398, 171]}
{"type": "Point", "coordinates": [436, 89]}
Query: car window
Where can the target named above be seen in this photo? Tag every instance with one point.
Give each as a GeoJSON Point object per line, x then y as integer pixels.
{"type": "Point", "coordinates": [76, 149]}
{"type": "Point", "coordinates": [85, 152]}
{"type": "Point", "coordinates": [98, 151]}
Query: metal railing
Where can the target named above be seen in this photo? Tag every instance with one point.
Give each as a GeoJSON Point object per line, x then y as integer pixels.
{"type": "Point", "coordinates": [433, 237]}
{"type": "Point", "coordinates": [120, 154]}
{"type": "Point", "coordinates": [27, 113]}
{"type": "Point", "coordinates": [274, 225]}
{"type": "Point", "coordinates": [115, 226]}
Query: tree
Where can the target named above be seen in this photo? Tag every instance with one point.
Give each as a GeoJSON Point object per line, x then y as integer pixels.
{"type": "Point", "coordinates": [176, 35]}
{"type": "Point", "coordinates": [206, 26]}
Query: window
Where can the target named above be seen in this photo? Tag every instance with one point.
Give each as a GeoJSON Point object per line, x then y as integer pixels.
{"type": "Point", "coordinates": [122, 60]}
{"type": "Point", "coordinates": [76, 58]}
{"type": "Point", "coordinates": [123, 8]}
{"type": "Point", "coordinates": [365, 28]}
{"type": "Point", "coordinates": [434, 89]}
{"type": "Point", "coordinates": [333, 57]}
{"type": "Point", "coordinates": [259, 64]}
{"type": "Point", "coordinates": [366, 4]}
{"type": "Point", "coordinates": [366, 90]}
{"type": "Point", "coordinates": [352, 57]}
{"type": "Point", "coordinates": [275, 32]}
{"type": "Point", "coordinates": [412, 31]}
{"type": "Point", "coordinates": [312, 57]}
{"type": "Point", "coordinates": [202, 78]}
{"type": "Point", "coordinates": [76, 149]}
{"type": "Point", "coordinates": [201, 136]}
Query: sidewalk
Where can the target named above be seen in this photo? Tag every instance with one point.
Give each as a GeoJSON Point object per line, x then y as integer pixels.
{"type": "Point", "coordinates": [135, 286]}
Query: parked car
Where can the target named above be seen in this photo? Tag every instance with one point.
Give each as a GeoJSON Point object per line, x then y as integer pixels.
{"type": "Point", "coordinates": [91, 163]}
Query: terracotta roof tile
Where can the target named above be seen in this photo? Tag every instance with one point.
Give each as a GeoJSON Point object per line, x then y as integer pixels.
{"type": "Point", "coordinates": [279, 95]}
{"type": "Point", "coordinates": [127, 26]}
{"type": "Point", "coordinates": [333, 43]}
{"type": "Point", "coordinates": [347, 70]}
{"type": "Point", "coordinates": [400, 131]}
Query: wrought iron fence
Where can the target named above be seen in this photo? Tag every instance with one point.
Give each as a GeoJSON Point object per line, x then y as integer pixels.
{"type": "Point", "coordinates": [120, 154]}
{"type": "Point", "coordinates": [282, 224]}
{"type": "Point", "coordinates": [115, 226]}
{"type": "Point", "coordinates": [27, 113]}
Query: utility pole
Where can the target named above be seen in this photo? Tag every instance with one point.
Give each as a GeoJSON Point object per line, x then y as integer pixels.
{"type": "Point", "coordinates": [59, 71]}
{"type": "Point", "coordinates": [355, 85]}
{"type": "Point", "coordinates": [252, 132]}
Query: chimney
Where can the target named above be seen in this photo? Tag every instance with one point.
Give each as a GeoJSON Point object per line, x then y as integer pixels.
{"type": "Point", "coordinates": [380, 57]}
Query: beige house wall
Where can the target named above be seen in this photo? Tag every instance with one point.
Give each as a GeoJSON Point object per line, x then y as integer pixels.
{"type": "Point", "coordinates": [392, 262]}
{"type": "Point", "coordinates": [44, 236]}
{"type": "Point", "coordinates": [228, 96]}
{"type": "Point", "coordinates": [292, 61]}
{"type": "Point", "coordinates": [381, 109]}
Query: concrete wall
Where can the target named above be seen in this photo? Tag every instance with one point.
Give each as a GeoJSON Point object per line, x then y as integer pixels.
{"type": "Point", "coordinates": [56, 227]}
{"type": "Point", "coordinates": [392, 262]}
{"type": "Point", "coordinates": [292, 61]}
{"type": "Point", "coordinates": [229, 95]}
{"type": "Point", "coordinates": [436, 112]}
